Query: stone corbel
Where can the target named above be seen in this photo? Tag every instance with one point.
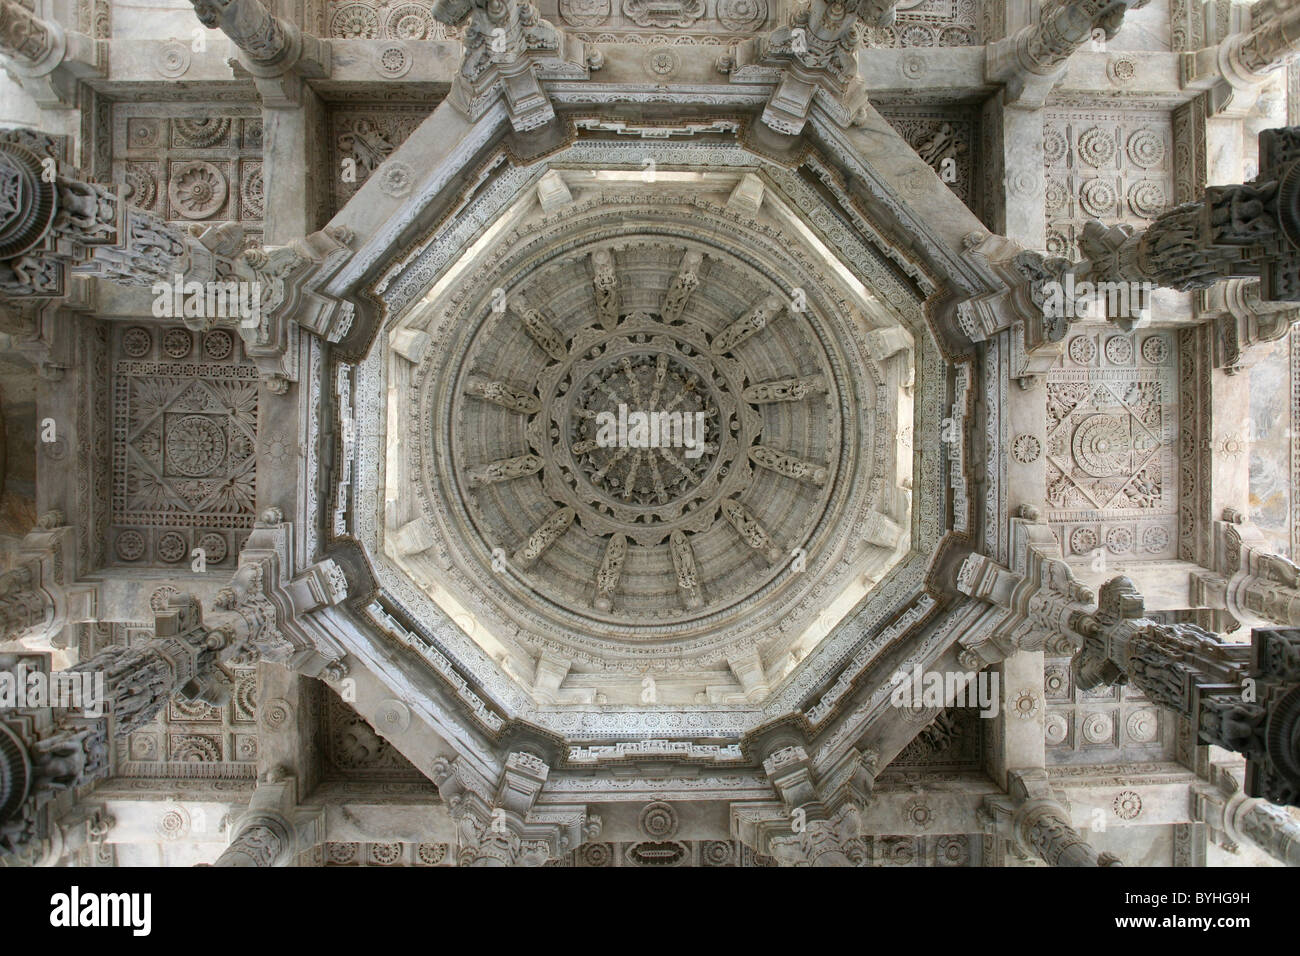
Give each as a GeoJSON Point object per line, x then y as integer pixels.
{"type": "Point", "coordinates": [1031, 293]}
{"type": "Point", "coordinates": [278, 55]}
{"type": "Point", "coordinates": [1235, 819]}
{"type": "Point", "coordinates": [267, 596]}
{"type": "Point", "coordinates": [48, 60]}
{"type": "Point", "coordinates": [291, 279]}
{"type": "Point", "coordinates": [509, 50]}
{"type": "Point", "coordinates": [813, 56]}
{"type": "Point", "coordinates": [1243, 321]}
{"type": "Point", "coordinates": [1258, 587]}
{"type": "Point", "coordinates": [818, 819]}
{"type": "Point", "coordinates": [502, 825]}
{"type": "Point", "coordinates": [38, 596]}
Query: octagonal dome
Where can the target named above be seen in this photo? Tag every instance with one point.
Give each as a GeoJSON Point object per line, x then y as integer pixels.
{"type": "Point", "coordinates": [696, 563]}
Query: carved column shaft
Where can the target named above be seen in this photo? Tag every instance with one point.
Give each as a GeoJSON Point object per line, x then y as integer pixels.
{"type": "Point", "coordinates": [1268, 827]}
{"type": "Point", "coordinates": [264, 840]}
{"type": "Point", "coordinates": [1064, 27]}
{"type": "Point", "coordinates": [1244, 698]}
{"type": "Point", "coordinates": [24, 36]}
{"type": "Point", "coordinates": [138, 681]}
{"type": "Point", "coordinates": [263, 38]}
{"type": "Point", "coordinates": [1269, 45]}
{"type": "Point", "coordinates": [1045, 828]}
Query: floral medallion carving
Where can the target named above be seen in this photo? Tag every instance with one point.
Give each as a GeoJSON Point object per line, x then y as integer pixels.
{"type": "Point", "coordinates": [197, 189]}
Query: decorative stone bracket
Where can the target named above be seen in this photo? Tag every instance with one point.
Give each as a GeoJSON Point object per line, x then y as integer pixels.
{"type": "Point", "coordinates": [813, 54]}
{"type": "Point", "coordinates": [1024, 299]}
{"type": "Point", "coordinates": [1237, 231]}
{"type": "Point", "coordinates": [38, 595]}
{"type": "Point", "coordinates": [291, 279]}
{"type": "Point", "coordinates": [509, 50]}
{"type": "Point", "coordinates": [53, 222]}
{"type": "Point", "coordinates": [1243, 321]}
{"type": "Point", "coordinates": [1041, 597]}
{"type": "Point", "coordinates": [502, 825]}
{"type": "Point", "coordinates": [1234, 818]}
{"type": "Point", "coordinates": [818, 819]}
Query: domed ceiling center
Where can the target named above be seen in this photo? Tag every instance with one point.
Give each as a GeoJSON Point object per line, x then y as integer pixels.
{"type": "Point", "coordinates": [646, 430]}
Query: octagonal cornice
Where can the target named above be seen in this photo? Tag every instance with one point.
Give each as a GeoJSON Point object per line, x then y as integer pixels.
{"type": "Point", "coordinates": [831, 696]}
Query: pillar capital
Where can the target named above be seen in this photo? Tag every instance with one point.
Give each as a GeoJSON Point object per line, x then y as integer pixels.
{"type": "Point", "coordinates": [1032, 62]}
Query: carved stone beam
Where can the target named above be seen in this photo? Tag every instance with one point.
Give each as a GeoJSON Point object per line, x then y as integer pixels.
{"type": "Point", "coordinates": [502, 825]}
{"type": "Point", "coordinates": [508, 51]}
{"type": "Point", "coordinates": [815, 50]}
{"type": "Point", "coordinates": [1248, 230]}
{"type": "Point", "coordinates": [48, 60]}
{"type": "Point", "coordinates": [1034, 821]}
{"type": "Point", "coordinates": [1032, 62]}
{"type": "Point", "coordinates": [274, 51]}
{"type": "Point", "coordinates": [1234, 69]}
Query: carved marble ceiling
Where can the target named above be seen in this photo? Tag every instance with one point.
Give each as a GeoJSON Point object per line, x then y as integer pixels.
{"type": "Point", "coordinates": [666, 297]}
{"type": "Point", "coordinates": [405, 486]}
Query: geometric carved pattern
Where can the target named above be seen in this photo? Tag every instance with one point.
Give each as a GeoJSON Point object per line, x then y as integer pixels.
{"type": "Point", "coordinates": [1111, 419]}
{"type": "Point", "coordinates": [929, 23]}
{"type": "Point", "coordinates": [202, 169]}
{"type": "Point", "coordinates": [1109, 724]}
{"type": "Point", "coordinates": [353, 750]}
{"type": "Point", "coordinates": [379, 854]}
{"type": "Point", "coordinates": [664, 853]}
{"type": "Point", "coordinates": [396, 20]}
{"type": "Point", "coordinates": [1109, 165]}
{"type": "Point", "coordinates": [367, 136]}
{"type": "Point", "coordinates": [184, 433]}
{"type": "Point", "coordinates": [947, 139]}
